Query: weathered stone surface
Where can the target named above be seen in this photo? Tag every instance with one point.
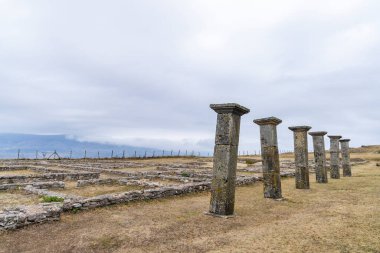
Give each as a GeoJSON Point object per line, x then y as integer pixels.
{"type": "Point", "coordinates": [227, 130]}
{"type": "Point", "coordinates": [223, 181]}
{"type": "Point", "coordinates": [225, 157]}
{"type": "Point", "coordinates": [25, 215]}
{"type": "Point", "coordinates": [38, 185]}
{"type": "Point", "coordinates": [334, 156]}
{"type": "Point", "coordinates": [230, 108]}
{"type": "Point", "coordinates": [48, 177]}
{"type": "Point", "coordinates": [319, 156]}
{"type": "Point", "coordinates": [270, 157]}
{"type": "Point", "coordinates": [301, 156]}
{"type": "Point", "coordinates": [344, 143]}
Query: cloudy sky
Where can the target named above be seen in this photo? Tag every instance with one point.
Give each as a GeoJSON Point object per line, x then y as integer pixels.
{"type": "Point", "coordinates": [144, 72]}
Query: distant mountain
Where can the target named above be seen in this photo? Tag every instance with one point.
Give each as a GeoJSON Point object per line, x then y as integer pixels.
{"type": "Point", "coordinates": [28, 145]}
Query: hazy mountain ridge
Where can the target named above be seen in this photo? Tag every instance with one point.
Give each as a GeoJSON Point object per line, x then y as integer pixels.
{"type": "Point", "coordinates": [29, 144]}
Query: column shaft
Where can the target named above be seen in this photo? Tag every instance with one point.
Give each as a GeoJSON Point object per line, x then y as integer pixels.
{"type": "Point", "coordinates": [334, 156]}
{"type": "Point", "coordinates": [319, 156]}
{"type": "Point", "coordinates": [270, 157]}
{"type": "Point", "coordinates": [225, 158]}
{"type": "Point", "coordinates": [301, 156]}
{"type": "Point", "coordinates": [346, 157]}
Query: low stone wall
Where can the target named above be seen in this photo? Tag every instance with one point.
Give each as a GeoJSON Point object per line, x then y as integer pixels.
{"type": "Point", "coordinates": [139, 183]}
{"type": "Point", "coordinates": [108, 181]}
{"type": "Point", "coordinates": [38, 185]}
{"type": "Point", "coordinates": [44, 192]}
{"type": "Point", "coordinates": [46, 170]}
{"type": "Point", "coordinates": [26, 215]}
{"type": "Point", "coordinates": [110, 199]}
{"type": "Point", "coordinates": [48, 177]}
{"type": "Point", "coordinates": [176, 178]}
{"type": "Point", "coordinates": [10, 168]}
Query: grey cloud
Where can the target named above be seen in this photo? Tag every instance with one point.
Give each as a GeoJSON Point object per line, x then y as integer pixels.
{"type": "Point", "coordinates": [144, 72]}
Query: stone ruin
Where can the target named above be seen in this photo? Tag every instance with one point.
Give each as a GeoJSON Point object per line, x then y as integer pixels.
{"type": "Point", "coordinates": [225, 157]}
{"type": "Point", "coordinates": [64, 181]}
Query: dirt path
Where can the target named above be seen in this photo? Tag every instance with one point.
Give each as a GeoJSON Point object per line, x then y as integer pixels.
{"type": "Point", "coordinates": [341, 216]}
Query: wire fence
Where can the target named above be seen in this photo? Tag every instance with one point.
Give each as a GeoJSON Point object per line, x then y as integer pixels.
{"type": "Point", "coordinates": [122, 154]}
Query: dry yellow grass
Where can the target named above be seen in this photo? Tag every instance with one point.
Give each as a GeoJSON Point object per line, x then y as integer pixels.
{"type": "Point", "coordinates": [94, 190]}
{"type": "Point", "coordinates": [341, 216]}
{"type": "Point", "coordinates": [14, 198]}
{"type": "Point", "coordinates": [18, 173]}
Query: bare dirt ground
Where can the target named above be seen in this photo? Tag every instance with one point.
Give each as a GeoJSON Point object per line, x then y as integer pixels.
{"type": "Point", "coordinates": [341, 216]}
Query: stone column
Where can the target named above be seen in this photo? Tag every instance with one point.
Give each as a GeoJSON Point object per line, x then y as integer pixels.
{"type": "Point", "coordinates": [319, 156]}
{"type": "Point", "coordinates": [270, 157]}
{"type": "Point", "coordinates": [225, 158]}
{"type": "Point", "coordinates": [301, 156]}
{"type": "Point", "coordinates": [334, 156]}
{"type": "Point", "coordinates": [344, 143]}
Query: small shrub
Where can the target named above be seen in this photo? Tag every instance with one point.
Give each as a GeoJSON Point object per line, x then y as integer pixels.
{"type": "Point", "coordinates": [185, 174]}
{"type": "Point", "coordinates": [52, 199]}
{"type": "Point", "coordinates": [249, 162]}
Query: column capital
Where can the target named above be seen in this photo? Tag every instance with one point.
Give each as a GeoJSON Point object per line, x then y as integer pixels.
{"type": "Point", "coordinates": [230, 108]}
{"type": "Point", "coordinates": [344, 140]}
{"type": "Point", "coordinates": [268, 121]}
{"type": "Point", "coordinates": [299, 128]}
{"type": "Point", "coordinates": [334, 137]}
{"type": "Point", "coordinates": [319, 133]}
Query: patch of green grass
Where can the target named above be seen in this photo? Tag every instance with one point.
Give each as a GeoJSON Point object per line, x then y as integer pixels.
{"type": "Point", "coordinates": [49, 199]}
{"type": "Point", "coordinates": [185, 174]}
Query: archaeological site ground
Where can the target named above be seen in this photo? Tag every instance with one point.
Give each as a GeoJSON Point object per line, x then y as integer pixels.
{"type": "Point", "coordinates": [159, 205]}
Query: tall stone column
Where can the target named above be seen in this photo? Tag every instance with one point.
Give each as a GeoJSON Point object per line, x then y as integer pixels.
{"type": "Point", "coordinates": [320, 156]}
{"type": "Point", "coordinates": [301, 156]}
{"type": "Point", "coordinates": [334, 156]}
{"type": "Point", "coordinates": [344, 143]}
{"type": "Point", "coordinates": [270, 157]}
{"type": "Point", "coordinates": [225, 157]}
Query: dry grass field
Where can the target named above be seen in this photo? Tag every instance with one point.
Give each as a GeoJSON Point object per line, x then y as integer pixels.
{"type": "Point", "coordinates": [341, 216]}
{"type": "Point", "coordinates": [13, 198]}
{"type": "Point", "coordinates": [94, 190]}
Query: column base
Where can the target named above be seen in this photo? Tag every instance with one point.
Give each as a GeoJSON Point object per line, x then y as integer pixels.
{"type": "Point", "coordinates": [219, 215]}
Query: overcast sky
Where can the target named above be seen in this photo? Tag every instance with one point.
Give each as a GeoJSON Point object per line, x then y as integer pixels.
{"type": "Point", "coordinates": [144, 72]}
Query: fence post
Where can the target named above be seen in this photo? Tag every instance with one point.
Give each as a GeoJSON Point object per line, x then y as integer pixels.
{"type": "Point", "coordinates": [36, 154]}
{"type": "Point", "coordinates": [18, 154]}
{"type": "Point", "coordinates": [85, 154]}
{"type": "Point", "coordinates": [171, 153]}
{"type": "Point", "coordinates": [123, 154]}
{"type": "Point", "coordinates": [135, 154]}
